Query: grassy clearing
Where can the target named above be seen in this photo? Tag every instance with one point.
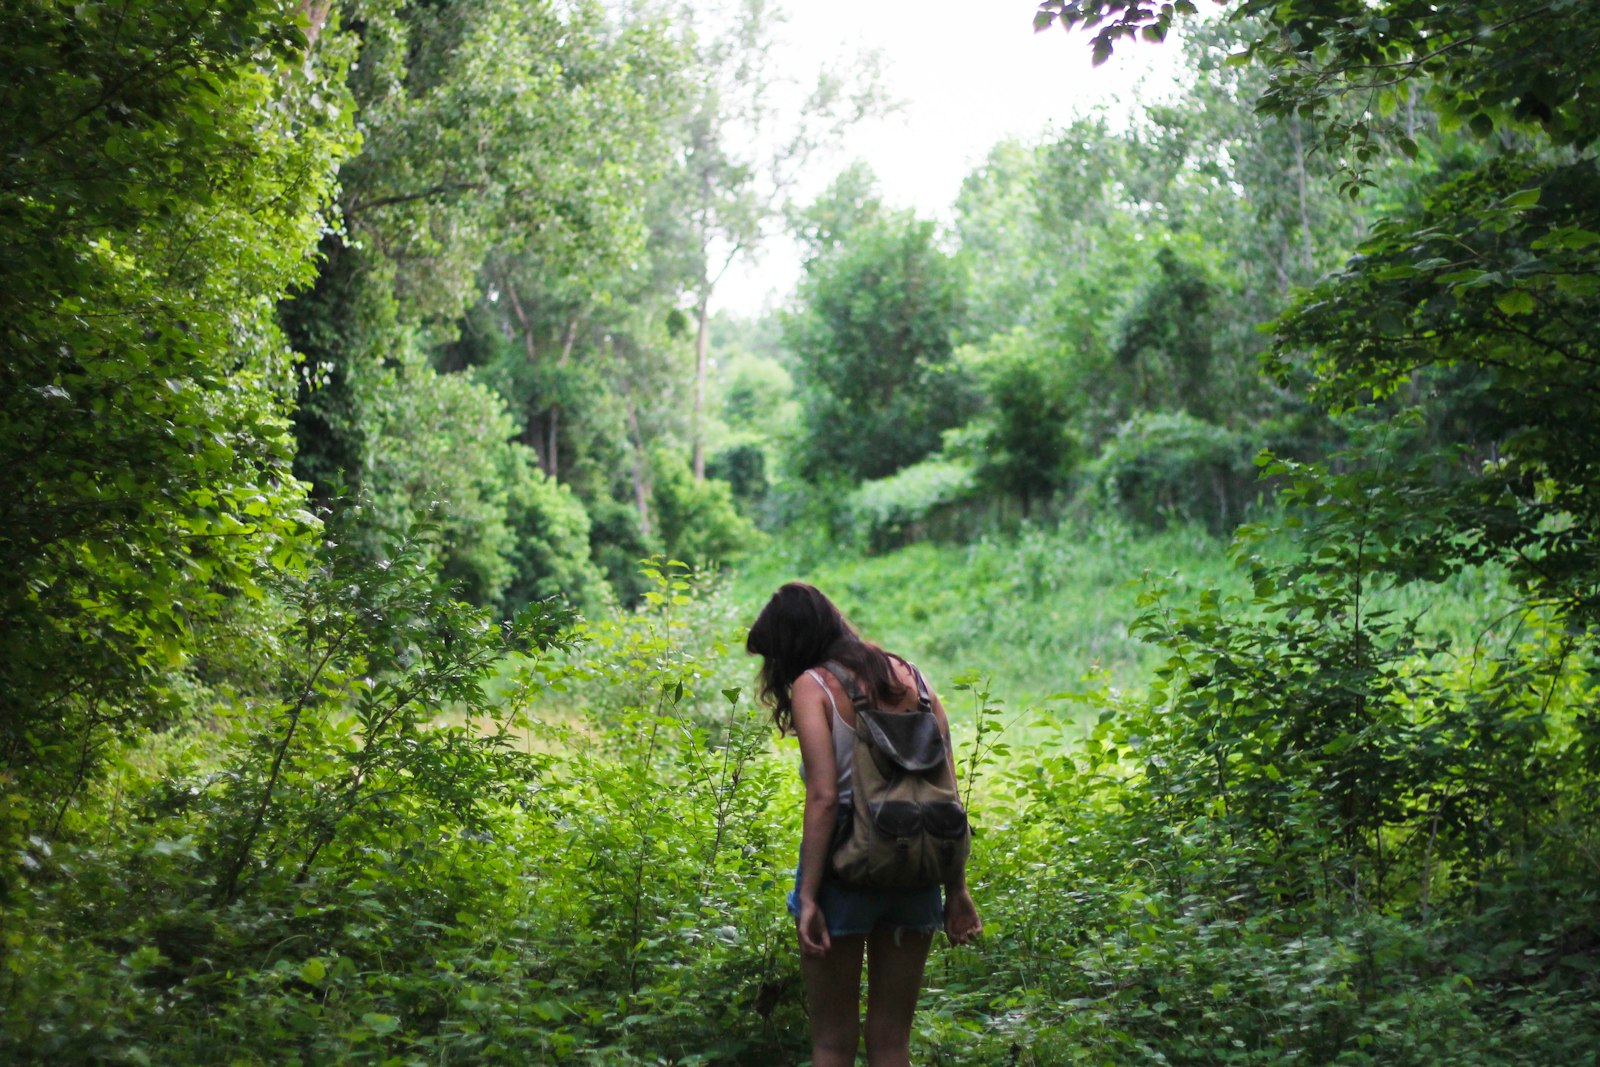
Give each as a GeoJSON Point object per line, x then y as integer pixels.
{"type": "Point", "coordinates": [1046, 612]}
{"type": "Point", "coordinates": [1038, 614]}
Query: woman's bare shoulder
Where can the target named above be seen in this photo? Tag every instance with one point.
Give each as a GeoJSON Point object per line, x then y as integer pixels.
{"type": "Point", "coordinates": [818, 682]}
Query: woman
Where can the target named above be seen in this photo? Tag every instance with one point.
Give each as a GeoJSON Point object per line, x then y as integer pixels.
{"type": "Point", "coordinates": [797, 632]}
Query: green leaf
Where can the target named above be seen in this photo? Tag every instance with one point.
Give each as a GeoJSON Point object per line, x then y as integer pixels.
{"type": "Point", "coordinates": [1567, 237]}
{"type": "Point", "coordinates": [1515, 302]}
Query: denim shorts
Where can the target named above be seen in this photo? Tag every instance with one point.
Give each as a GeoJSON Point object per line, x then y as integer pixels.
{"type": "Point", "coordinates": [851, 910]}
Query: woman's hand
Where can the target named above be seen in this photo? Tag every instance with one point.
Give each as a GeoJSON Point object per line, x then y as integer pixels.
{"type": "Point", "coordinates": [961, 922]}
{"type": "Point", "coordinates": [813, 929]}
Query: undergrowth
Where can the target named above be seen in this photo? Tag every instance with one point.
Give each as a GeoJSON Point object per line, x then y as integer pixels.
{"type": "Point", "coordinates": [444, 841]}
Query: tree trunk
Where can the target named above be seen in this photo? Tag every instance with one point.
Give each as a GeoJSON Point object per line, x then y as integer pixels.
{"type": "Point", "coordinates": [695, 426]}
{"type": "Point", "coordinates": [1307, 250]}
{"type": "Point", "coordinates": [1280, 264]}
{"type": "Point", "coordinates": [316, 16]}
{"type": "Point", "coordinates": [552, 426]}
{"type": "Point", "coordinates": [552, 439]}
{"type": "Point", "coordinates": [641, 469]}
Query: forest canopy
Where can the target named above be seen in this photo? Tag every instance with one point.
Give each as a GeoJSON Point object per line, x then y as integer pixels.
{"type": "Point", "coordinates": [384, 495]}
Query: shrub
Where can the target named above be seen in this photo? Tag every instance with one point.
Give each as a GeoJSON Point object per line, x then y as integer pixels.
{"type": "Point", "coordinates": [890, 512]}
{"type": "Point", "coordinates": [1167, 466]}
{"type": "Point", "coordinates": [551, 556]}
{"type": "Point", "coordinates": [696, 522]}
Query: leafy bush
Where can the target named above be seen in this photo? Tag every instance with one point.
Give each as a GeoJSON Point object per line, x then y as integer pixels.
{"type": "Point", "coordinates": [552, 553]}
{"type": "Point", "coordinates": [166, 186]}
{"type": "Point", "coordinates": [1162, 467]}
{"type": "Point", "coordinates": [617, 543]}
{"type": "Point", "coordinates": [1030, 445]}
{"type": "Point", "coordinates": [388, 859]}
{"type": "Point", "coordinates": [442, 444]}
{"type": "Point", "coordinates": [890, 512]}
{"type": "Point", "coordinates": [275, 883]}
{"type": "Point", "coordinates": [696, 521]}
{"type": "Point", "coordinates": [1316, 839]}
{"type": "Point", "coordinates": [744, 468]}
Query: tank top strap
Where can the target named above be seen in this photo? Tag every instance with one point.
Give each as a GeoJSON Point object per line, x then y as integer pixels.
{"type": "Point", "coordinates": [826, 688]}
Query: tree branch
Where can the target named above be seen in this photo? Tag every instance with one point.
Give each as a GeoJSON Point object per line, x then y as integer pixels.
{"type": "Point", "coordinates": [441, 189]}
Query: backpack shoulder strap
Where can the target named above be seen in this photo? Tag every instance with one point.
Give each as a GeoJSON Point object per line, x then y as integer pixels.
{"type": "Point", "coordinates": [924, 700]}
{"type": "Point", "coordinates": [858, 699]}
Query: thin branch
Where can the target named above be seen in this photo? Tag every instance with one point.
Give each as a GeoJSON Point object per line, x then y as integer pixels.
{"type": "Point", "coordinates": [440, 189]}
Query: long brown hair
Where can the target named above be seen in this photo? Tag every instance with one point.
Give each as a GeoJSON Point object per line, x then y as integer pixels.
{"type": "Point", "coordinates": [801, 628]}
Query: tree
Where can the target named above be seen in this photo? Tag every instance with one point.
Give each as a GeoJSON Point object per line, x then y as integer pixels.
{"type": "Point", "coordinates": [1344, 64]}
{"type": "Point", "coordinates": [500, 129]}
{"type": "Point", "coordinates": [744, 151]}
{"type": "Point", "coordinates": [1049, 239]}
{"type": "Point", "coordinates": [1166, 353]}
{"type": "Point", "coordinates": [164, 181]}
{"type": "Point", "coordinates": [873, 338]}
{"type": "Point", "coordinates": [1031, 423]}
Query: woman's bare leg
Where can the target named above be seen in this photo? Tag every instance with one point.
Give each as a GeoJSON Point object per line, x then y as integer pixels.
{"type": "Point", "coordinates": [833, 998]}
{"type": "Point", "coordinates": [894, 978]}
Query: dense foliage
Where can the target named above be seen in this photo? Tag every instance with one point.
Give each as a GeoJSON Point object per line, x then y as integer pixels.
{"type": "Point", "coordinates": [874, 346]}
{"type": "Point", "coordinates": [165, 175]}
{"type": "Point", "coordinates": [349, 346]}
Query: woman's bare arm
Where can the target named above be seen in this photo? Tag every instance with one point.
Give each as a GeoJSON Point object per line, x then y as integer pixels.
{"type": "Point", "coordinates": [961, 921]}
{"type": "Point", "coordinates": [814, 726]}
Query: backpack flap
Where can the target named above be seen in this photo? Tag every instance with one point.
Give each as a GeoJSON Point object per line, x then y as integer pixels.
{"type": "Point", "coordinates": [910, 740]}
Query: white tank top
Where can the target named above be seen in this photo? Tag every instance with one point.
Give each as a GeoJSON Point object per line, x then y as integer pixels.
{"type": "Point", "coordinates": [844, 744]}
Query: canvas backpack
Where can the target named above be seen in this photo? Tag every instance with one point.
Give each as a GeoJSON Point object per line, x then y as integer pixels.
{"type": "Point", "coordinates": [907, 828]}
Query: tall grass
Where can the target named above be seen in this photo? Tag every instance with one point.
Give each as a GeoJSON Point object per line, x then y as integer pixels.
{"type": "Point", "coordinates": [1046, 611]}
{"type": "Point", "coordinates": [1038, 612]}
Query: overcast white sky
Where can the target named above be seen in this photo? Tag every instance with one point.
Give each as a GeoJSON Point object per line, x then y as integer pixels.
{"type": "Point", "coordinates": [969, 73]}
